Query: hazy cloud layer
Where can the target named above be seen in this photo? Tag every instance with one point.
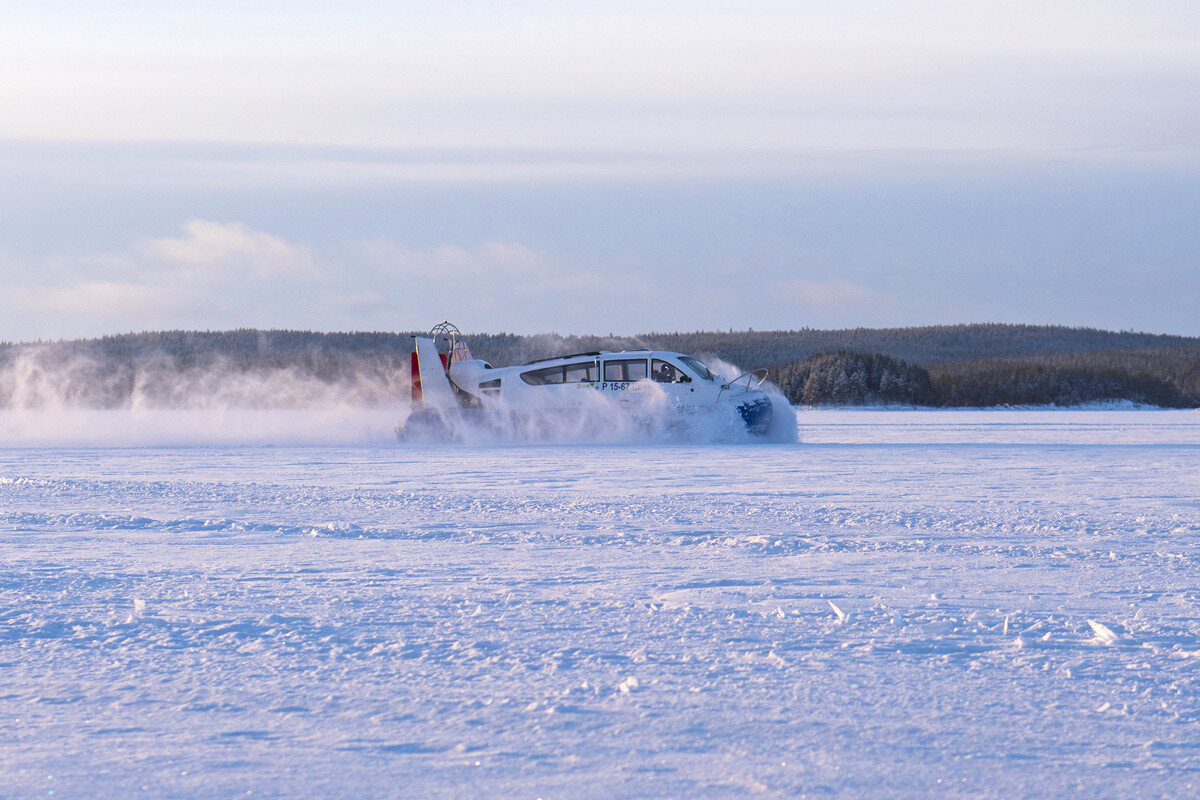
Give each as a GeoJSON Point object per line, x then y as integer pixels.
{"type": "Point", "coordinates": [214, 250]}
{"type": "Point", "coordinates": [838, 296]}
{"type": "Point", "coordinates": [216, 274]}
{"type": "Point", "coordinates": [681, 80]}
{"type": "Point", "coordinates": [622, 167]}
{"type": "Point", "coordinates": [119, 302]}
{"type": "Point", "coordinates": [226, 274]}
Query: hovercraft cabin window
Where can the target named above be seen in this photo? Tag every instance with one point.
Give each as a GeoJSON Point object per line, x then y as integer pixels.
{"type": "Point", "coordinates": [583, 372]}
{"type": "Point", "coordinates": [490, 388]}
{"type": "Point", "coordinates": [626, 369]}
{"type": "Point", "coordinates": [666, 372]}
{"type": "Point", "coordinates": [579, 372]}
{"type": "Point", "coordinates": [543, 376]}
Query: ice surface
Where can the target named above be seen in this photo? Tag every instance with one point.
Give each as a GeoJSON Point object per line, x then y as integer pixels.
{"type": "Point", "coordinates": [906, 604]}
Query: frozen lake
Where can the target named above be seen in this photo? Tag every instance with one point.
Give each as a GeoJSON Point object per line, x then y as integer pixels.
{"type": "Point", "coordinates": [908, 604]}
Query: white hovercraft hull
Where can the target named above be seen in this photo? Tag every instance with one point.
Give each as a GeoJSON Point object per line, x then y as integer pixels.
{"type": "Point", "coordinates": [573, 397]}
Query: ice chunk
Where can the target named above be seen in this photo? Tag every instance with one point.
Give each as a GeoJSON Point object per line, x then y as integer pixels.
{"type": "Point", "coordinates": [1104, 634]}
{"type": "Point", "coordinates": [842, 616]}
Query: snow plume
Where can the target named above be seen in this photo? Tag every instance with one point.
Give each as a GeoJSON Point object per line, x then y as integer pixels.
{"type": "Point", "coordinates": [54, 394]}
{"type": "Point", "coordinates": [644, 414]}
{"type": "Point", "coordinates": [784, 424]}
{"type": "Point", "coordinates": [64, 376]}
{"type": "Point", "coordinates": [85, 427]}
{"type": "Point", "coordinates": [64, 395]}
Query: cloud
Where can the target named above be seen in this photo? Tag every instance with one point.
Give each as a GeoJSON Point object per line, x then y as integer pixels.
{"type": "Point", "coordinates": [488, 260]}
{"type": "Point", "coordinates": [216, 249]}
{"type": "Point", "coordinates": [489, 272]}
{"type": "Point", "coordinates": [353, 303]}
{"type": "Point", "coordinates": [835, 294]}
{"type": "Point", "coordinates": [216, 274]}
{"type": "Point", "coordinates": [668, 78]}
{"type": "Point", "coordinates": [225, 274]}
{"type": "Point", "coordinates": [503, 281]}
{"type": "Point", "coordinates": [108, 299]}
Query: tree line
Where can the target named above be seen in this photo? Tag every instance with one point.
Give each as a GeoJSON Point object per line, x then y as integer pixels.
{"type": "Point", "coordinates": [926, 345]}
{"type": "Point", "coordinates": [846, 378]}
{"type": "Point", "coordinates": [951, 365]}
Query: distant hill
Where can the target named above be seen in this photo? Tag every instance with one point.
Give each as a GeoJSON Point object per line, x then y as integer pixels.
{"type": "Point", "coordinates": [935, 365]}
{"type": "Point", "coordinates": [925, 345]}
{"type": "Point", "coordinates": [1165, 376]}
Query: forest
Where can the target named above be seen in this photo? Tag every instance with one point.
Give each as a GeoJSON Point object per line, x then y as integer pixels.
{"type": "Point", "coordinates": [949, 365]}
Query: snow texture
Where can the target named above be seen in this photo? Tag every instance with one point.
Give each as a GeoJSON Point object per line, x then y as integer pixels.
{"type": "Point", "coordinates": [905, 604]}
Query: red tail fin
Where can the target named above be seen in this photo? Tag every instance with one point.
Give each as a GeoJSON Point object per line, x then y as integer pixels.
{"type": "Point", "coordinates": [418, 400]}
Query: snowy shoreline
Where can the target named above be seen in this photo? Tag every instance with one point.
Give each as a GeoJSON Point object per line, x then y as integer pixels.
{"type": "Point", "coordinates": [375, 427]}
{"type": "Point", "coordinates": [1106, 405]}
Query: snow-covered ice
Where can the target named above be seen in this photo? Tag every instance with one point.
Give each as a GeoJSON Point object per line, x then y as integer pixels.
{"type": "Point", "coordinates": [905, 604]}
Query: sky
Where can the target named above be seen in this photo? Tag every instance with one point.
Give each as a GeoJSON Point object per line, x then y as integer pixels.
{"type": "Point", "coordinates": [598, 167]}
